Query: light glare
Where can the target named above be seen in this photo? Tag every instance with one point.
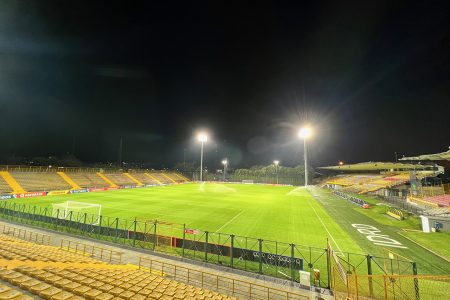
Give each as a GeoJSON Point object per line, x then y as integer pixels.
{"type": "Point", "coordinates": [202, 137]}
{"type": "Point", "coordinates": [305, 133]}
{"type": "Point", "coordinates": [276, 162]}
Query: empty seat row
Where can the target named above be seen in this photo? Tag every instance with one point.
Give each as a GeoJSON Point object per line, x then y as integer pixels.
{"type": "Point", "coordinates": [7, 292]}
{"type": "Point", "coordinates": [13, 248]}
{"type": "Point", "coordinates": [101, 284]}
{"type": "Point", "coordinates": [87, 180]}
{"type": "Point", "coordinates": [40, 181]}
{"type": "Point", "coordinates": [54, 276]}
{"type": "Point", "coordinates": [4, 187]}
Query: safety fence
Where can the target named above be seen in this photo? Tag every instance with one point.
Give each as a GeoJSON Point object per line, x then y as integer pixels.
{"type": "Point", "coordinates": [347, 283]}
{"type": "Point", "coordinates": [271, 258]}
{"type": "Point", "coordinates": [100, 253]}
{"type": "Point", "coordinates": [27, 235]}
{"type": "Point", "coordinates": [222, 284]}
{"type": "Point", "coordinates": [388, 286]}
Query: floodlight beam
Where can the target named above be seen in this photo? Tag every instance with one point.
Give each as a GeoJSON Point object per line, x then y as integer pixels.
{"type": "Point", "coordinates": [225, 164]}
{"type": "Point", "coordinates": [276, 163]}
{"type": "Point", "coordinates": [202, 138]}
{"type": "Point", "coordinates": [304, 133]}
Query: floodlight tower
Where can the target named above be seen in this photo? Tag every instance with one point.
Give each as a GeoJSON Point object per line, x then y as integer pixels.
{"type": "Point", "coordinates": [202, 138]}
{"type": "Point", "coordinates": [304, 134]}
{"type": "Point", "coordinates": [276, 163]}
{"type": "Point", "coordinates": [225, 164]}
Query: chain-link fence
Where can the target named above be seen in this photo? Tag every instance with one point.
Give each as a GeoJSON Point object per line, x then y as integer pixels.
{"type": "Point", "coordinates": [265, 257]}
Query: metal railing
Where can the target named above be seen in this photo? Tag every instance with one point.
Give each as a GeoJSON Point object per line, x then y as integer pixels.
{"type": "Point", "coordinates": [103, 254]}
{"type": "Point", "coordinates": [26, 235]}
{"type": "Point", "coordinates": [218, 283]}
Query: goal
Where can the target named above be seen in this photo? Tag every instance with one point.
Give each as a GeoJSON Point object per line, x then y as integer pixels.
{"type": "Point", "coordinates": [92, 210]}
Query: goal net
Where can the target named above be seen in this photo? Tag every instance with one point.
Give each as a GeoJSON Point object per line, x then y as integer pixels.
{"type": "Point", "coordinates": [72, 208]}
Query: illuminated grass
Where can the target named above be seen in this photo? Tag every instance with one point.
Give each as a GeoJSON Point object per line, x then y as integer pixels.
{"type": "Point", "coordinates": [284, 214]}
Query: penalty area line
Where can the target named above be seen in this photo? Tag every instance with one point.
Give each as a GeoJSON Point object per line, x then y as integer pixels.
{"type": "Point", "coordinates": [224, 225]}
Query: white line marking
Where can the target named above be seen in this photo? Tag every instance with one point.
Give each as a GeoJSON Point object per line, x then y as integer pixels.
{"type": "Point", "coordinates": [323, 224]}
{"type": "Point", "coordinates": [224, 225]}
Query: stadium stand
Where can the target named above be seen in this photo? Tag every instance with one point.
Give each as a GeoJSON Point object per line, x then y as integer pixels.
{"type": "Point", "coordinates": [120, 179]}
{"type": "Point", "coordinates": [142, 177]}
{"type": "Point", "coordinates": [69, 180]}
{"type": "Point", "coordinates": [362, 184]}
{"type": "Point", "coordinates": [161, 178]}
{"type": "Point", "coordinates": [13, 184]}
{"type": "Point", "coordinates": [4, 187]}
{"type": "Point", "coordinates": [17, 181]}
{"type": "Point", "coordinates": [87, 180]}
{"type": "Point", "coordinates": [53, 273]}
{"type": "Point", "coordinates": [440, 200]}
{"type": "Point", "coordinates": [40, 181]}
{"type": "Point", "coordinates": [351, 180]}
{"type": "Point", "coordinates": [175, 177]}
{"type": "Point", "coordinates": [133, 178]}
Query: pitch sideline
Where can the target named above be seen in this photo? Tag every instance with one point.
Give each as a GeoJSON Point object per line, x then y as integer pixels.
{"type": "Point", "coordinates": [324, 226]}
{"type": "Point", "coordinates": [231, 220]}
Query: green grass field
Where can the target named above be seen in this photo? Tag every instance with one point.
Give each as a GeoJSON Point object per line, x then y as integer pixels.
{"type": "Point", "coordinates": [278, 213]}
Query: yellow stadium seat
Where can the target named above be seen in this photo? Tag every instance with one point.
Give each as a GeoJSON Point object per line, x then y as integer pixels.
{"type": "Point", "coordinates": [62, 296]}
{"type": "Point", "coordinates": [138, 297]}
{"type": "Point", "coordinates": [81, 290]}
{"type": "Point", "coordinates": [49, 293]}
{"type": "Point", "coordinates": [10, 294]}
{"type": "Point", "coordinates": [71, 286]}
{"type": "Point", "coordinates": [62, 282]}
{"type": "Point", "coordinates": [106, 288]}
{"type": "Point", "coordinates": [145, 292]}
{"type": "Point", "coordinates": [104, 296]}
{"type": "Point", "coordinates": [116, 291]}
{"type": "Point", "coordinates": [29, 283]}
{"type": "Point", "coordinates": [126, 295]}
{"type": "Point", "coordinates": [92, 294]}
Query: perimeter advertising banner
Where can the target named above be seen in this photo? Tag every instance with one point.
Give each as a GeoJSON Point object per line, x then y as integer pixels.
{"type": "Point", "coordinates": [6, 197]}
{"type": "Point", "coordinates": [79, 191]}
{"type": "Point", "coordinates": [28, 195]}
{"type": "Point", "coordinates": [56, 193]}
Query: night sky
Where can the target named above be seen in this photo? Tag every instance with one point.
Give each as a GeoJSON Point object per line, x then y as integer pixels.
{"type": "Point", "coordinates": [370, 77]}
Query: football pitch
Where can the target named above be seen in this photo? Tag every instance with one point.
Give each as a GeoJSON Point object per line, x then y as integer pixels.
{"type": "Point", "coordinates": [284, 214]}
{"type": "Point", "coordinates": [278, 213]}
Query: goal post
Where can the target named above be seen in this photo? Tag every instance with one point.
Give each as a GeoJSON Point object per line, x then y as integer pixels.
{"type": "Point", "coordinates": [248, 181]}
{"type": "Point", "coordinates": [62, 210]}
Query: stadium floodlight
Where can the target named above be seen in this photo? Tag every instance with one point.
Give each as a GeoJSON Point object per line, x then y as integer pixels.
{"type": "Point", "coordinates": [202, 138]}
{"type": "Point", "coordinates": [225, 164]}
{"type": "Point", "coordinates": [276, 163]}
{"type": "Point", "coordinates": [304, 133]}
{"type": "Point", "coordinates": [341, 163]}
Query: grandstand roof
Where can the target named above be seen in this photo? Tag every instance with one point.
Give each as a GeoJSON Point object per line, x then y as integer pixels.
{"type": "Point", "coordinates": [376, 166]}
{"type": "Point", "coordinates": [437, 156]}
